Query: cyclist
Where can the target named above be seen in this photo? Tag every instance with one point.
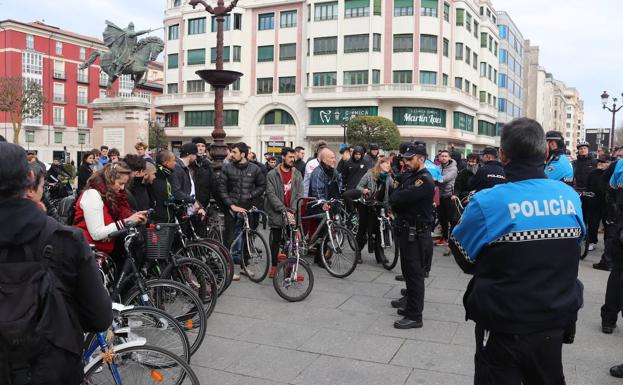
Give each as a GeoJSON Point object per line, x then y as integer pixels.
{"type": "Point", "coordinates": [558, 166]}
{"type": "Point", "coordinates": [311, 165]}
{"type": "Point", "coordinates": [85, 170]}
{"type": "Point", "coordinates": [374, 185]}
{"type": "Point", "coordinates": [50, 339]}
{"type": "Point", "coordinates": [284, 186]}
{"type": "Point", "coordinates": [162, 189]}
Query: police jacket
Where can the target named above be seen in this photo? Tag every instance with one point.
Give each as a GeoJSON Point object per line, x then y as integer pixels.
{"type": "Point", "coordinates": [614, 177]}
{"type": "Point", "coordinates": [241, 184]}
{"type": "Point", "coordinates": [181, 183]}
{"type": "Point", "coordinates": [596, 184]}
{"type": "Point", "coordinates": [490, 174]}
{"type": "Point", "coordinates": [558, 167]}
{"type": "Point", "coordinates": [412, 199]}
{"type": "Point", "coordinates": [583, 166]}
{"type": "Point", "coordinates": [353, 171]}
{"type": "Point", "coordinates": [162, 191]}
{"type": "Point", "coordinates": [521, 240]}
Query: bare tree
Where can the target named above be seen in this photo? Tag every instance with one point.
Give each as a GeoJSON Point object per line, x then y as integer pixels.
{"type": "Point", "coordinates": [21, 99]}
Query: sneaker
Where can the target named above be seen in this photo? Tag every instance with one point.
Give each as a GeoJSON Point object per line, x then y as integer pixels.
{"type": "Point", "coordinates": [441, 242]}
{"type": "Point", "coordinates": [607, 329]}
{"type": "Point", "coordinates": [591, 246]}
{"type": "Point", "coordinates": [235, 277]}
{"type": "Point", "coordinates": [247, 273]}
{"type": "Point", "coordinates": [271, 273]}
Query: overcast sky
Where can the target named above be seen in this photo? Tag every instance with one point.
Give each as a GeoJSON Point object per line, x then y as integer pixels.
{"type": "Point", "coordinates": [579, 40]}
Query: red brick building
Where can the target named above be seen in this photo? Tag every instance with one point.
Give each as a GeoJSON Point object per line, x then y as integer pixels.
{"type": "Point", "coordinates": [51, 56]}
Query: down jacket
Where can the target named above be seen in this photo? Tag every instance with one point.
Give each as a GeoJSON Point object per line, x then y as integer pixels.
{"type": "Point", "coordinates": [449, 172]}
{"type": "Point", "coordinates": [241, 184]}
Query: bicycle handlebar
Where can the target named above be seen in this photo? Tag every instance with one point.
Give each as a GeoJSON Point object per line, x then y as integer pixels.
{"type": "Point", "coordinates": [119, 233]}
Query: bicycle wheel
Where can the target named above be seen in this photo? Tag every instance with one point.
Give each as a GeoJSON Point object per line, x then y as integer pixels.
{"type": "Point", "coordinates": [197, 276]}
{"type": "Point", "coordinates": [138, 365]}
{"type": "Point", "coordinates": [211, 257]}
{"type": "Point", "coordinates": [391, 256]}
{"type": "Point", "coordinates": [339, 251]}
{"type": "Point", "coordinates": [178, 301]}
{"type": "Point", "coordinates": [584, 249]}
{"type": "Point", "coordinates": [291, 287]}
{"type": "Point", "coordinates": [256, 255]}
{"type": "Point", "coordinates": [225, 256]}
{"type": "Point", "coordinates": [157, 327]}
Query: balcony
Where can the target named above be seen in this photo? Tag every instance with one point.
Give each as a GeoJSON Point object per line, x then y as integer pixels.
{"type": "Point", "coordinates": [103, 82]}
{"type": "Point", "coordinates": [82, 78]}
{"type": "Point", "coordinates": [82, 124]}
{"type": "Point", "coordinates": [59, 75]}
{"type": "Point", "coordinates": [488, 109]}
{"type": "Point", "coordinates": [195, 98]}
{"type": "Point", "coordinates": [59, 121]}
{"type": "Point", "coordinates": [59, 98]}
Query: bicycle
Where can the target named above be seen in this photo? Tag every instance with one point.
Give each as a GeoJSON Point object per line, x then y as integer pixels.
{"type": "Point", "coordinates": [386, 238]}
{"type": "Point", "coordinates": [293, 279]}
{"type": "Point", "coordinates": [337, 243]}
{"type": "Point", "coordinates": [255, 259]}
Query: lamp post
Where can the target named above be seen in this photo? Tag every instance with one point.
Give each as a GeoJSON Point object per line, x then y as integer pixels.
{"type": "Point", "coordinates": [605, 98]}
{"type": "Point", "coordinates": [219, 78]}
{"type": "Point", "coordinates": [344, 124]}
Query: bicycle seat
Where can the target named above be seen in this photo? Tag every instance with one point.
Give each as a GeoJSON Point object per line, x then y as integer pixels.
{"type": "Point", "coordinates": [117, 307]}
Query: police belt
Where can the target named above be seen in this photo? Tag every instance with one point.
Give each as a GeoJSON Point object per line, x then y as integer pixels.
{"type": "Point", "coordinates": [420, 227]}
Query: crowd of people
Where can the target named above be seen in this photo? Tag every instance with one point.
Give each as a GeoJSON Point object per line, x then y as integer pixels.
{"type": "Point", "coordinates": [517, 211]}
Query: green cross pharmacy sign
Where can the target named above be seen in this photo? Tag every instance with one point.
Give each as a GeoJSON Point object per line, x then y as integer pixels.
{"type": "Point", "coordinates": [335, 116]}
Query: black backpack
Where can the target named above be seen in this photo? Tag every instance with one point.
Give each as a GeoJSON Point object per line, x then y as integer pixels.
{"type": "Point", "coordinates": [29, 295]}
{"type": "Point", "coordinates": [67, 210]}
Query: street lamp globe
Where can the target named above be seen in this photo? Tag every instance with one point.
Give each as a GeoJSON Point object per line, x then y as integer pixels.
{"type": "Point", "coordinates": [604, 98]}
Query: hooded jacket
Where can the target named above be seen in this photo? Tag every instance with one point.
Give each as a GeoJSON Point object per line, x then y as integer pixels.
{"type": "Point", "coordinates": [449, 173]}
{"type": "Point", "coordinates": [354, 170]}
{"type": "Point", "coordinates": [583, 166]}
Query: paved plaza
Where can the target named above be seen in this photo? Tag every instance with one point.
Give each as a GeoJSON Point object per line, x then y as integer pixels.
{"type": "Point", "coordinates": [342, 333]}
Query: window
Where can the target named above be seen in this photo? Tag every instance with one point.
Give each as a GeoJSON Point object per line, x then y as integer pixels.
{"type": "Point", "coordinates": [446, 12]}
{"type": "Point", "coordinates": [199, 118]}
{"type": "Point", "coordinates": [377, 7]}
{"type": "Point", "coordinates": [483, 96]}
{"type": "Point", "coordinates": [226, 23]}
{"type": "Point", "coordinates": [277, 117]}
{"type": "Point", "coordinates": [264, 86]}
{"type": "Point", "coordinates": [458, 83]}
{"type": "Point", "coordinates": [288, 19]}
{"type": "Point", "coordinates": [30, 136]}
{"type": "Point", "coordinates": [323, 79]}
{"type": "Point", "coordinates": [103, 94]}
{"type": "Point", "coordinates": [490, 43]}
{"type": "Point", "coordinates": [171, 119]}
{"type": "Point", "coordinates": [376, 42]}
{"type": "Point", "coordinates": [445, 79]}
{"type": "Point", "coordinates": [503, 29]}
{"type": "Point", "coordinates": [197, 26]}
{"type": "Point", "coordinates": [59, 92]}
{"type": "Point", "coordinates": [226, 56]}
{"type": "Point", "coordinates": [287, 51]}
{"type": "Point", "coordinates": [483, 39]}
{"type": "Point", "coordinates": [195, 86]}
{"type": "Point", "coordinates": [30, 42]}
{"type": "Point", "coordinates": [446, 47]}
{"type": "Point", "coordinates": [467, 84]}
{"type": "Point", "coordinates": [265, 53]}
{"type": "Point", "coordinates": [483, 69]}
{"type": "Point", "coordinates": [82, 118]}
{"type": "Point", "coordinates": [287, 85]}
{"type": "Point", "coordinates": [236, 85]}
{"type": "Point", "coordinates": [474, 90]}
{"type": "Point", "coordinates": [59, 116]}
{"type": "Point", "coordinates": [459, 51]}
{"type": "Point", "coordinates": [429, 8]}
{"type": "Point", "coordinates": [476, 25]}
{"type": "Point", "coordinates": [403, 77]}
{"type": "Point", "coordinates": [355, 77]}
{"type": "Point", "coordinates": [428, 43]}
{"type": "Point", "coordinates": [489, 71]}
{"type": "Point", "coordinates": [376, 76]}
{"type": "Point", "coordinates": [238, 21]}
{"type": "Point", "coordinates": [325, 45]}
{"type": "Point", "coordinates": [356, 8]}
{"type": "Point", "coordinates": [237, 53]}
{"type": "Point", "coordinates": [495, 76]}
{"type": "Point", "coordinates": [428, 77]}
{"type": "Point", "coordinates": [172, 88]}
{"type": "Point", "coordinates": [325, 11]}
{"type": "Point", "coordinates": [403, 7]}
{"type": "Point", "coordinates": [486, 128]}
{"type": "Point", "coordinates": [468, 55]}
{"type": "Point", "coordinates": [356, 43]}
{"type": "Point", "coordinates": [58, 137]}
{"type": "Point", "coordinates": [196, 56]}
{"type": "Point", "coordinates": [460, 17]}
{"type": "Point", "coordinates": [59, 69]}
{"type": "Point", "coordinates": [83, 75]}
{"type": "Point", "coordinates": [495, 48]}
{"type": "Point", "coordinates": [82, 138]}
{"type": "Point", "coordinates": [177, 3]}
{"type": "Point", "coordinates": [463, 122]}
{"type": "Point", "coordinates": [59, 48]}
{"type": "Point", "coordinates": [403, 43]}
{"type": "Point", "coordinates": [468, 22]}
{"type": "Point", "coordinates": [83, 95]}
{"type": "Point", "coordinates": [172, 61]}
{"type": "Point", "coordinates": [501, 104]}
{"type": "Point", "coordinates": [475, 61]}
{"type": "Point", "coordinates": [83, 53]}
{"type": "Point", "coordinates": [174, 32]}
{"type": "Point", "coordinates": [266, 21]}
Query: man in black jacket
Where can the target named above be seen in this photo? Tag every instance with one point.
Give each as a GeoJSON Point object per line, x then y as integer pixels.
{"type": "Point", "coordinates": [353, 170]}
{"type": "Point", "coordinates": [463, 179]}
{"type": "Point", "coordinates": [241, 185]}
{"type": "Point", "coordinates": [162, 188]}
{"type": "Point", "coordinates": [521, 241]}
{"type": "Point", "coordinates": [583, 166]}
{"type": "Point", "coordinates": [490, 174]}
{"type": "Point", "coordinates": [300, 159]}
{"type": "Point", "coordinates": [77, 304]}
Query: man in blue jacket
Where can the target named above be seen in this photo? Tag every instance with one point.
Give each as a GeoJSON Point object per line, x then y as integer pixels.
{"type": "Point", "coordinates": [558, 166]}
{"type": "Point", "coordinates": [521, 241]}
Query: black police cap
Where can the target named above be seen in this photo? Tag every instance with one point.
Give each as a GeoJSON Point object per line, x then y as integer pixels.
{"type": "Point", "coordinates": [490, 151]}
{"type": "Point", "coordinates": [414, 150]}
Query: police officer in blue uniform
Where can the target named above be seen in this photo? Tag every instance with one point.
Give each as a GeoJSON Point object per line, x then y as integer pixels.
{"type": "Point", "coordinates": [521, 241]}
{"type": "Point", "coordinates": [558, 166]}
{"type": "Point", "coordinates": [412, 202]}
{"type": "Point", "coordinates": [490, 174]}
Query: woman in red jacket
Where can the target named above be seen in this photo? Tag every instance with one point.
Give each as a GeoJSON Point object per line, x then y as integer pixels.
{"type": "Point", "coordinates": [103, 207]}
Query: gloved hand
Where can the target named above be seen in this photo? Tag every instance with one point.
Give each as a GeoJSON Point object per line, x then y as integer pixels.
{"type": "Point", "coordinates": [569, 334]}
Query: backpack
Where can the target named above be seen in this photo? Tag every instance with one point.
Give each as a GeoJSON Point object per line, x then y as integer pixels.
{"type": "Point", "coordinates": [29, 296]}
{"type": "Point", "coordinates": [67, 210]}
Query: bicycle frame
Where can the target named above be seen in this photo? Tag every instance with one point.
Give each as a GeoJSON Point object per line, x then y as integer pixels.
{"type": "Point", "coordinates": [384, 223]}
{"type": "Point", "coordinates": [326, 222]}
{"type": "Point", "coordinates": [101, 343]}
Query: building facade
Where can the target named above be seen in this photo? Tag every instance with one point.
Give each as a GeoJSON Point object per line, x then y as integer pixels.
{"type": "Point", "coordinates": [309, 66]}
{"type": "Point", "coordinates": [51, 56]}
{"type": "Point", "coordinates": [511, 95]}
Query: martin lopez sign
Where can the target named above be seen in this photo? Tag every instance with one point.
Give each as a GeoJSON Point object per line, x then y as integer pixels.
{"type": "Point", "coordinates": [419, 116]}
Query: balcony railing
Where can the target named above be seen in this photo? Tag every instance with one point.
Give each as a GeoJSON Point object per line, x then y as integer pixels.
{"type": "Point", "coordinates": [59, 98]}
{"type": "Point", "coordinates": [389, 88]}
{"type": "Point", "coordinates": [82, 124]}
{"type": "Point", "coordinates": [83, 78]}
{"type": "Point", "coordinates": [194, 95]}
{"type": "Point", "coordinates": [59, 121]}
{"type": "Point", "coordinates": [59, 74]}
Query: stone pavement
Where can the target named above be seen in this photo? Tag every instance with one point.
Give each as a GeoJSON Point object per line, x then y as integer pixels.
{"type": "Point", "coordinates": [342, 333]}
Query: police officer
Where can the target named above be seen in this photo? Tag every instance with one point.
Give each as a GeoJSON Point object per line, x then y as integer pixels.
{"type": "Point", "coordinates": [558, 166]}
{"type": "Point", "coordinates": [583, 166]}
{"type": "Point", "coordinates": [412, 201]}
{"type": "Point", "coordinates": [490, 174]}
{"type": "Point", "coordinates": [521, 242]}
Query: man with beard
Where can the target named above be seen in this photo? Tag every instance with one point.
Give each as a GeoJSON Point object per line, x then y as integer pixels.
{"type": "Point", "coordinates": [284, 186]}
{"type": "Point", "coordinates": [372, 156]}
{"type": "Point", "coordinates": [461, 186]}
{"type": "Point", "coordinates": [300, 159]}
{"type": "Point", "coordinates": [446, 189]}
{"type": "Point", "coordinates": [202, 172]}
{"type": "Point", "coordinates": [490, 174]}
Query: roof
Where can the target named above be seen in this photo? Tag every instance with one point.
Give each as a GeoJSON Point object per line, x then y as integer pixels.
{"type": "Point", "coordinates": [50, 28]}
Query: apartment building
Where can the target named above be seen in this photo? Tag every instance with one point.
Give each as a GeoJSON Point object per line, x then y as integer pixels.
{"type": "Point", "coordinates": [511, 95]}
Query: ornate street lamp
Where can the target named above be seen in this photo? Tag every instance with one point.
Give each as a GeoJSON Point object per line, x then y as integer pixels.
{"type": "Point", "coordinates": [605, 98]}
{"type": "Point", "coordinates": [218, 78]}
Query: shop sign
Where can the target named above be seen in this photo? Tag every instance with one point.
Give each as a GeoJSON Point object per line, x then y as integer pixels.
{"type": "Point", "coordinates": [335, 116]}
{"type": "Point", "coordinates": [420, 116]}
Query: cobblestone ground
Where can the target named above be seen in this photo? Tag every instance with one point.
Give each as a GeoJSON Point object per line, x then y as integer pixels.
{"type": "Point", "coordinates": [342, 333]}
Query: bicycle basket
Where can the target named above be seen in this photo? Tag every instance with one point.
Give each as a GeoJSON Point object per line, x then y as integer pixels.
{"type": "Point", "coordinates": [160, 239]}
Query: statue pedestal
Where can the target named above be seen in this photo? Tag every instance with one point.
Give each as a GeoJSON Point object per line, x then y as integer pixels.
{"type": "Point", "coordinates": [120, 122]}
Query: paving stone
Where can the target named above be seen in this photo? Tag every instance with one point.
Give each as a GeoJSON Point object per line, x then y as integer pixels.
{"type": "Point", "coordinates": [276, 364]}
{"type": "Point", "coordinates": [219, 353]}
{"type": "Point", "coordinates": [429, 377]}
{"type": "Point", "coordinates": [443, 312]}
{"type": "Point", "coordinates": [212, 376]}
{"type": "Point", "coordinates": [353, 345]}
{"type": "Point", "coordinates": [434, 331]}
{"type": "Point", "coordinates": [352, 287]}
{"type": "Point", "coordinates": [248, 307]}
{"type": "Point", "coordinates": [328, 318]}
{"type": "Point", "coordinates": [228, 326]}
{"type": "Point", "coordinates": [365, 304]}
{"type": "Point", "coordinates": [454, 359]}
{"type": "Point", "coordinates": [280, 334]}
{"type": "Point", "coordinates": [456, 283]}
{"type": "Point", "coordinates": [331, 370]}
